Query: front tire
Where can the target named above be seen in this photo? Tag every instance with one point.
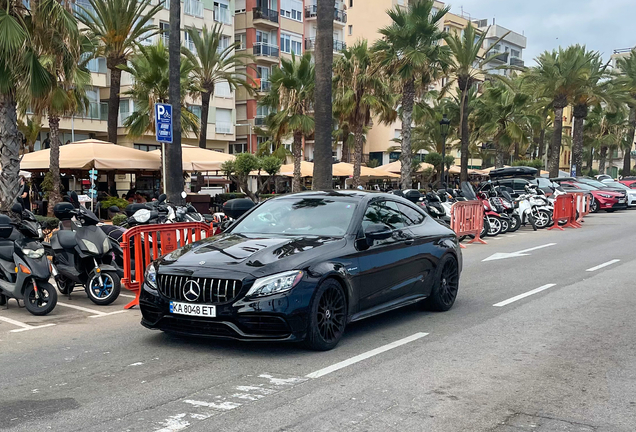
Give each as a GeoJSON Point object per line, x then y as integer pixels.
{"type": "Point", "coordinates": [106, 292]}
{"type": "Point", "coordinates": [495, 226]}
{"type": "Point", "coordinates": [446, 286]}
{"type": "Point", "coordinates": [515, 223]}
{"type": "Point", "coordinates": [542, 219]}
{"type": "Point", "coordinates": [595, 206]}
{"type": "Point", "coordinates": [328, 317]}
{"type": "Point", "coordinates": [42, 303]}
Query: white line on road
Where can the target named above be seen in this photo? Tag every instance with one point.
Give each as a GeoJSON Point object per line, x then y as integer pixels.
{"type": "Point", "coordinates": [23, 326]}
{"type": "Point", "coordinates": [600, 266]}
{"type": "Point", "coordinates": [536, 247]}
{"type": "Point", "coordinates": [83, 309]}
{"type": "Point", "coordinates": [127, 296]}
{"type": "Point", "coordinates": [504, 255]}
{"type": "Point", "coordinates": [524, 295]}
{"type": "Point", "coordinates": [364, 356]}
{"type": "Point", "coordinates": [107, 314]}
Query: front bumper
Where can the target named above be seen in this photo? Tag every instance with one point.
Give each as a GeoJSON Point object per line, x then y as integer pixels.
{"type": "Point", "coordinates": [282, 317]}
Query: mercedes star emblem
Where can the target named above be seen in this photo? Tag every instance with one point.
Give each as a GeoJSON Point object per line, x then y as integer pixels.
{"type": "Point", "coordinates": [191, 291]}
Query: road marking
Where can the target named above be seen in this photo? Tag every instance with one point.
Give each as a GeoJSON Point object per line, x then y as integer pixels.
{"type": "Point", "coordinates": [127, 296]}
{"type": "Point", "coordinates": [96, 313]}
{"type": "Point", "coordinates": [524, 295]}
{"type": "Point", "coordinates": [364, 356]}
{"type": "Point", "coordinates": [103, 314]}
{"type": "Point", "coordinates": [504, 255]}
{"type": "Point", "coordinates": [600, 266]}
{"type": "Point", "coordinates": [23, 326]}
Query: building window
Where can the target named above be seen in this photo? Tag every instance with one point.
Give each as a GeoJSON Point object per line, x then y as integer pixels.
{"type": "Point", "coordinates": [350, 3]}
{"type": "Point", "coordinates": [222, 12]}
{"type": "Point", "coordinates": [292, 9]}
{"type": "Point", "coordinates": [223, 121]}
{"type": "Point", "coordinates": [164, 29]}
{"type": "Point", "coordinates": [350, 30]}
{"type": "Point", "coordinates": [289, 44]}
{"type": "Point", "coordinates": [447, 29]}
{"type": "Point", "coordinates": [224, 43]}
{"type": "Point", "coordinates": [193, 7]}
{"type": "Point", "coordinates": [515, 53]}
{"type": "Point", "coordinates": [196, 110]}
{"type": "Point", "coordinates": [260, 140]}
{"type": "Point", "coordinates": [397, 134]}
{"type": "Point", "coordinates": [147, 147]}
{"type": "Point", "coordinates": [241, 40]}
{"type": "Point", "coordinates": [237, 148]}
{"type": "Point", "coordinates": [223, 89]}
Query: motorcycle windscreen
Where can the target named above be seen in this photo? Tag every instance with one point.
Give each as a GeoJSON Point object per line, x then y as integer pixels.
{"type": "Point", "coordinates": [468, 191]}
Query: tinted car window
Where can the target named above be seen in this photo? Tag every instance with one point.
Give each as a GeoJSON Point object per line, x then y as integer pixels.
{"type": "Point", "coordinates": [519, 185]}
{"type": "Point", "coordinates": [410, 215]}
{"type": "Point", "coordinates": [383, 212]}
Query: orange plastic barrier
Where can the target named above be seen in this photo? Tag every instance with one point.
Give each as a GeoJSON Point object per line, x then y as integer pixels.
{"type": "Point", "coordinates": [145, 243]}
{"type": "Point", "coordinates": [580, 207]}
{"type": "Point", "coordinates": [564, 210]}
{"type": "Point", "coordinates": [467, 218]}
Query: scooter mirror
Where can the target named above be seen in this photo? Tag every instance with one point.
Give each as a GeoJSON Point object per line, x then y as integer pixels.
{"type": "Point", "coordinates": [74, 199]}
{"type": "Point", "coordinates": [162, 198]}
{"type": "Point", "coordinates": [17, 208]}
{"type": "Point", "coordinates": [184, 194]}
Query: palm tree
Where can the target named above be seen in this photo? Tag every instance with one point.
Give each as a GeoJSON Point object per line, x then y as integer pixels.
{"type": "Point", "coordinates": [595, 89]}
{"type": "Point", "coordinates": [30, 129]}
{"type": "Point", "coordinates": [557, 76]}
{"type": "Point", "coordinates": [501, 115]}
{"type": "Point", "coordinates": [212, 65]}
{"type": "Point", "coordinates": [292, 93]}
{"type": "Point", "coordinates": [150, 69]}
{"type": "Point", "coordinates": [410, 54]}
{"type": "Point", "coordinates": [323, 171]}
{"type": "Point", "coordinates": [467, 66]}
{"type": "Point", "coordinates": [117, 27]}
{"type": "Point", "coordinates": [21, 72]}
{"type": "Point", "coordinates": [627, 67]}
{"type": "Point", "coordinates": [359, 93]}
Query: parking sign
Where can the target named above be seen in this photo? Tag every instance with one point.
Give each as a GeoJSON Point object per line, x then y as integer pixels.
{"type": "Point", "coordinates": [163, 122]}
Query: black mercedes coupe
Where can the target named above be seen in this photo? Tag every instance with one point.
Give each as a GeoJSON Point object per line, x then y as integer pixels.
{"type": "Point", "coordinates": [301, 267]}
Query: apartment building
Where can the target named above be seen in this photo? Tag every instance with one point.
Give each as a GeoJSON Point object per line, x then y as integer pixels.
{"type": "Point", "coordinates": [222, 116]}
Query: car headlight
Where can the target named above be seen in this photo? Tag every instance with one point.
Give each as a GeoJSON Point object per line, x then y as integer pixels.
{"type": "Point", "coordinates": [92, 247]}
{"type": "Point", "coordinates": [275, 284]}
{"type": "Point", "coordinates": [605, 195]}
{"type": "Point", "coordinates": [30, 253]}
{"type": "Point", "coordinates": [106, 245]}
{"type": "Point", "coordinates": [151, 279]}
{"type": "Point", "coordinates": [142, 216]}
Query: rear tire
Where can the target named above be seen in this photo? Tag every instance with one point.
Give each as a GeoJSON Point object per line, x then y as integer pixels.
{"type": "Point", "coordinates": [542, 219]}
{"type": "Point", "coordinates": [515, 223]}
{"type": "Point", "coordinates": [327, 317]}
{"type": "Point", "coordinates": [103, 294]}
{"type": "Point", "coordinates": [595, 206]}
{"type": "Point", "coordinates": [505, 226]}
{"type": "Point", "coordinates": [495, 226]}
{"type": "Point", "coordinates": [64, 285]}
{"type": "Point", "coordinates": [446, 286]}
{"type": "Point", "coordinates": [485, 229]}
{"type": "Point", "coordinates": [531, 220]}
{"type": "Point", "coordinates": [46, 301]}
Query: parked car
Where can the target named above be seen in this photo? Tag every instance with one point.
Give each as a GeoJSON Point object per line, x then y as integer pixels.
{"type": "Point", "coordinates": [602, 199]}
{"type": "Point", "coordinates": [602, 177]}
{"type": "Point", "coordinates": [628, 181]}
{"type": "Point", "coordinates": [301, 267]}
{"type": "Point", "coordinates": [518, 185]}
{"type": "Point", "coordinates": [631, 193]}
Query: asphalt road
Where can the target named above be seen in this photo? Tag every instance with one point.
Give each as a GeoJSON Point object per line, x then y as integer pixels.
{"type": "Point", "coordinates": [535, 342]}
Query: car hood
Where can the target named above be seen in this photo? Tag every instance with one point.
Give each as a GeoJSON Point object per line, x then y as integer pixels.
{"type": "Point", "coordinates": [252, 254]}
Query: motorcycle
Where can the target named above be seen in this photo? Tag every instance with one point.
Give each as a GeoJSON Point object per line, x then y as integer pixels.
{"type": "Point", "coordinates": [24, 267]}
{"type": "Point", "coordinates": [84, 255]}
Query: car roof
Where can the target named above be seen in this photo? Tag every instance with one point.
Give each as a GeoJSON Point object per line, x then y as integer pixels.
{"type": "Point", "coordinates": [347, 193]}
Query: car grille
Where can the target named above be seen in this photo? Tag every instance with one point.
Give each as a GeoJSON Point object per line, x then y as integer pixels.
{"type": "Point", "coordinates": [212, 290]}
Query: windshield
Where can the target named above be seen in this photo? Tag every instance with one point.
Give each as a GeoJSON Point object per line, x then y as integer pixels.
{"type": "Point", "coordinates": [299, 216]}
{"type": "Point", "coordinates": [615, 185]}
{"type": "Point", "coordinates": [581, 186]}
{"type": "Point", "coordinates": [591, 182]}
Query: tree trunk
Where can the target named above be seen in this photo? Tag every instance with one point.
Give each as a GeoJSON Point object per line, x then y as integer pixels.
{"type": "Point", "coordinates": [205, 109]}
{"type": "Point", "coordinates": [406, 157]}
{"type": "Point", "coordinates": [297, 152]}
{"type": "Point", "coordinates": [113, 100]}
{"type": "Point", "coordinates": [323, 161]}
{"type": "Point", "coordinates": [499, 155]}
{"type": "Point", "coordinates": [541, 144]}
{"type": "Point", "coordinates": [464, 135]}
{"type": "Point", "coordinates": [627, 163]}
{"type": "Point", "coordinates": [357, 154]}
{"type": "Point", "coordinates": [346, 154]}
{"type": "Point", "coordinates": [590, 161]}
{"type": "Point", "coordinates": [54, 195]}
{"type": "Point", "coordinates": [580, 113]}
{"type": "Point", "coordinates": [555, 147]}
{"type": "Point", "coordinates": [9, 152]}
{"type": "Point", "coordinates": [174, 164]}
{"type": "Point", "coordinates": [601, 160]}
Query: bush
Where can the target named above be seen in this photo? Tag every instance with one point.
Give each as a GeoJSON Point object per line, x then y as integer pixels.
{"type": "Point", "coordinates": [114, 201]}
{"type": "Point", "coordinates": [592, 172]}
{"type": "Point", "coordinates": [119, 219]}
{"type": "Point", "coordinates": [534, 163]}
{"type": "Point", "coordinates": [48, 223]}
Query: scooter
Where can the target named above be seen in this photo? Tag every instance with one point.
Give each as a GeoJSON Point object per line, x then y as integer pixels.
{"type": "Point", "coordinates": [84, 256]}
{"type": "Point", "coordinates": [24, 267]}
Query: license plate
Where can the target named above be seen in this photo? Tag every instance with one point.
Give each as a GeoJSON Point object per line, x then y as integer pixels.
{"type": "Point", "coordinates": [192, 309]}
{"type": "Point", "coordinates": [621, 201]}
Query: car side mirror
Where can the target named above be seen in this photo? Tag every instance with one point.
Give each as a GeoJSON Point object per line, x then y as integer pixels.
{"type": "Point", "coordinates": [225, 225]}
{"type": "Point", "coordinates": [378, 231]}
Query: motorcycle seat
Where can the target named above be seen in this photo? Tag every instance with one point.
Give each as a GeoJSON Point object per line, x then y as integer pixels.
{"type": "Point", "coordinates": [66, 239]}
{"type": "Point", "coordinates": [6, 250]}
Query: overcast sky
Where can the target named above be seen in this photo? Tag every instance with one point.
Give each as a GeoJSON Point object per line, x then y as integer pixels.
{"type": "Point", "coordinates": [602, 25]}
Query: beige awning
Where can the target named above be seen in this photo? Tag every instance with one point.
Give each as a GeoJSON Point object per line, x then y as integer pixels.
{"type": "Point", "coordinates": [457, 170]}
{"type": "Point", "coordinates": [306, 169]}
{"type": "Point", "coordinates": [87, 154]}
{"type": "Point", "coordinates": [396, 167]}
{"type": "Point", "coordinates": [198, 159]}
{"type": "Point", "coordinates": [344, 169]}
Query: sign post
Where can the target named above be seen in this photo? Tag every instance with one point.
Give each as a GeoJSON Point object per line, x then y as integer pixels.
{"type": "Point", "coordinates": [163, 128]}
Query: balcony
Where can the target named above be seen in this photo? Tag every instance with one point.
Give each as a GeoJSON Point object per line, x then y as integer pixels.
{"type": "Point", "coordinates": [265, 17]}
{"type": "Point", "coordinates": [259, 121]}
{"type": "Point", "coordinates": [222, 15]}
{"type": "Point", "coordinates": [499, 56]}
{"type": "Point", "coordinates": [515, 61]}
{"type": "Point", "coordinates": [338, 45]}
{"type": "Point", "coordinates": [339, 16]}
{"type": "Point", "coordinates": [224, 128]}
{"type": "Point", "coordinates": [193, 7]}
{"type": "Point", "coordinates": [266, 52]}
{"type": "Point", "coordinates": [189, 45]}
{"type": "Point", "coordinates": [264, 87]}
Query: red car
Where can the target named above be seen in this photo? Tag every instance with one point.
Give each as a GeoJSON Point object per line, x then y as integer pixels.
{"type": "Point", "coordinates": [603, 199]}
{"type": "Point", "coordinates": [630, 183]}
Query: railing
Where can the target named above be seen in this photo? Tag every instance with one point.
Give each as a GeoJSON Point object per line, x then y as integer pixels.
{"type": "Point", "coordinates": [311, 11]}
{"type": "Point", "coordinates": [189, 45]}
{"type": "Point", "coordinates": [103, 111]}
{"type": "Point", "coordinates": [164, 3]}
{"type": "Point", "coordinates": [338, 45]}
{"type": "Point", "coordinates": [263, 49]}
{"type": "Point", "coordinates": [165, 39]}
{"type": "Point", "coordinates": [500, 56]}
{"type": "Point", "coordinates": [193, 7]}
{"type": "Point", "coordinates": [224, 127]}
{"type": "Point", "coordinates": [623, 50]}
{"type": "Point", "coordinates": [514, 61]}
{"type": "Point", "coordinates": [80, 5]}
{"type": "Point", "coordinates": [265, 86]}
{"type": "Point", "coordinates": [265, 14]}
{"type": "Point", "coordinates": [259, 121]}
{"type": "Point", "coordinates": [222, 15]}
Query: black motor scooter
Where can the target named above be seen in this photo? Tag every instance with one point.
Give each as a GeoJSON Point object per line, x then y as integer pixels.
{"type": "Point", "coordinates": [83, 254]}
{"type": "Point", "coordinates": [24, 267]}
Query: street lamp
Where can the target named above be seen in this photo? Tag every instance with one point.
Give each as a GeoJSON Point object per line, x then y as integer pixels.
{"type": "Point", "coordinates": [444, 125]}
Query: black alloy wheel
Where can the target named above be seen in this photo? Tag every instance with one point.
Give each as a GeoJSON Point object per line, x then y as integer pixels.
{"type": "Point", "coordinates": [446, 287]}
{"type": "Point", "coordinates": [595, 206]}
{"type": "Point", "coordinates": [42, 301]}
{"type": "Point", "coordinates": [328, 317]}
{"type": "Point", "coordinates": [515, 223]}
{"type": "Point", "coordinates": [505, 226]}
